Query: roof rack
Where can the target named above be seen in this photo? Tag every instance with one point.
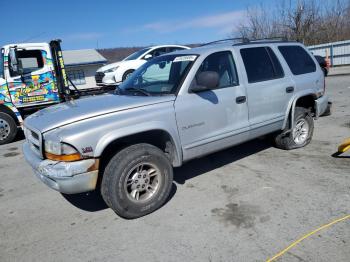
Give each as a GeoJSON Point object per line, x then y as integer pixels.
{"type": "Point", "coordinates": [270, 40]}
{"type": "Point", "coordinates": [242, 39]}
{"type": "Point", "coordinates": [275, 38]}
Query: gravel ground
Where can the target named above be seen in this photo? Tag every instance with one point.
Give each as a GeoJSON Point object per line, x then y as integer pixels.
{"type": "Point", "coordinates": [243, 204]}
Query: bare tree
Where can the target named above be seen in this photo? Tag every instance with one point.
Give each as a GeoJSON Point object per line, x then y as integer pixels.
{"type": "Point", "coordinates": [307, 21]}
{"type": "Point", "coordinates": [259, 23]}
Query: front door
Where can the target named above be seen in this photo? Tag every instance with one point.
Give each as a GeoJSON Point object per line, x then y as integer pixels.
{"type": "Point", "coordinates": [214, 119]}
{"type": "Point", "coordinates": [37, 85]}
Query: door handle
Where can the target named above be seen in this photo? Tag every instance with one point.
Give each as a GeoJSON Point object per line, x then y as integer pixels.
{"type": "Point", "coordinates": [290, 89]}
{"type": "Point", "coordinates": [241, 99]}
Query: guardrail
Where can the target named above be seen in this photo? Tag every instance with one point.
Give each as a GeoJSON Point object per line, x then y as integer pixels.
{"type": "Point", "coordinates": [338, 52]}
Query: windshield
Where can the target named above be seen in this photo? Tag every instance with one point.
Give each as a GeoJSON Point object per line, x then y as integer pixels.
{"type": "Point", "coordinates": [137, 54]}
{"type": "Point", "coordinates": [161, 75]}
{"type": "Point", "coordinates": [2, 63]}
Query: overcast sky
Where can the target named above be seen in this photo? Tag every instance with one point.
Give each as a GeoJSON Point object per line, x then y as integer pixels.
{"type": "Point", "coordinates": [103, 24]}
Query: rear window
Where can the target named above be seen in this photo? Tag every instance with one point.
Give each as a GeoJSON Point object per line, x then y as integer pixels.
{"type": "Point", "coordinates": [261, 64]}
{"type": "Point", "coordinates": [298, 60]}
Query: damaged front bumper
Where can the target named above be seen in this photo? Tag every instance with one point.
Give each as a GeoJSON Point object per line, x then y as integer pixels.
{"type": "Point", "coordinates": [65, 177]}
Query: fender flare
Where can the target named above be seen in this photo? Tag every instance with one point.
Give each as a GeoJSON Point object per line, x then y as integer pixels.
{"type": "Point", "coordinates": [114, 135]}
{"type": "Point", "coordinates": [291, 106]}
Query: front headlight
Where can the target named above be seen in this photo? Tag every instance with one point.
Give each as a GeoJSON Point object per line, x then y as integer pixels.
{"type": "Point", "coordinates": [61, 151]}
{"type": "Point", "coordinates": [113, 69]}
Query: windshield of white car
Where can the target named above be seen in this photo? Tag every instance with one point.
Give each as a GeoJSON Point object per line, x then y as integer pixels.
{"type": "Point", "coordinates": [159, 76]}
{"type": "Point", "coordinates": [137, 54]}
{"type": "Point", "coordinates": [2, 63]}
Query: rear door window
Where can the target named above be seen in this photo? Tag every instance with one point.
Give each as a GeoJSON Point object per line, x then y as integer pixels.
{"type": "Point", "coordinates": [173, 49]}
{"type": "Point", "coordinates": [158, 52]}
{"type": "Point", "coordinates": [261, 64]}
{"type": "Point", "coordinates": [298, 60]}
{"type": "Point", "coordinates": [275, 63]}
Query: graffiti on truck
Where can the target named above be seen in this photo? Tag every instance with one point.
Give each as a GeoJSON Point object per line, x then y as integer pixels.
{"type": "Point", "coordinates": [4, 94]}
{"type": "Point", "coordinates": [34, 88]}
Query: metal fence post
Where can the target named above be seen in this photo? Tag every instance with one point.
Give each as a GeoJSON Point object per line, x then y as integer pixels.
{"type": "Point", "coordinates": [331, 51]}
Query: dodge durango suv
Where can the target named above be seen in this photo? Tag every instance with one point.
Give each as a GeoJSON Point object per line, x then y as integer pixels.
{"type": "Point", "coordinates": [174, 108]}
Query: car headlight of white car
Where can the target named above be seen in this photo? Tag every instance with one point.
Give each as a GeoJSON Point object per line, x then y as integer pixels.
{"type": "Point", "coordinates": [113, 69]}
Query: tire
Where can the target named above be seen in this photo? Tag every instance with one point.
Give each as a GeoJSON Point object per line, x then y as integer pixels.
{"type": "Point", "coordinates": [131, 169]}
{"type": "Point", "coordinates": [127, 74]}
{"type": "Point", "coordinates": [291, 140]}
{"type": "Point", "coordinates": [8, 128]}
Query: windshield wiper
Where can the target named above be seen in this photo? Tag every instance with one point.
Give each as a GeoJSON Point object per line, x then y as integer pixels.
{"type": "Point", "coordinates": [140, 90]}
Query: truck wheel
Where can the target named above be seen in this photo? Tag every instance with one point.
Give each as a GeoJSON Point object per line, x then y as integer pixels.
{"type": "Point", "coordinates": [127, 74]}
{"type": "Point", "coordinates": [137, 181]}
{"type": "Point", "coordinates": [300, 135]}
{"type": "Point", "coordinates": [8, 128]}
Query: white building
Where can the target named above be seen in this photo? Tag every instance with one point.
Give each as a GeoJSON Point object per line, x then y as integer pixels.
{"type": "Point", "coordinates": [81, 66]}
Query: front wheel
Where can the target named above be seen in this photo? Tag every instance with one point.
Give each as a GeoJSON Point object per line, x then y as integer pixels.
{"type": "Point", "coordinates": [137, 181]}
{"type": "Point", "coordinates": [8, 128]}
{"type": "Point", "coordinates": [127, 74]}
{"type": "Point", "coordinates": [301, 133]}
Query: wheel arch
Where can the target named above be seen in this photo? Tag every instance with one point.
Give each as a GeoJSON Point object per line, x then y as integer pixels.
{"type": "Point", "coordinates": [159, 137]}
{"type": "Point", "coordinates": [13, 112]}
{"type": "Point", "coordinates": [306, 99]}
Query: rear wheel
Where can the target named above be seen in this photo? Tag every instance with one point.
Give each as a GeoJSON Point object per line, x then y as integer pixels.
{"type": "Point", "coordinates": [8, 128]}
{"type": "Point", "coordinates": [300, 135]}
{"type": "Point", "coordinates": [137, 181]}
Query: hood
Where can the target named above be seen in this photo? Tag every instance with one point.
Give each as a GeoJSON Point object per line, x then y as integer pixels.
{"type": "Point", "coordinates": [109, 66]}
{"type": "Point", "coordinates": [120, 63]}
{"type": "Point", "coordinates": [84, 108]}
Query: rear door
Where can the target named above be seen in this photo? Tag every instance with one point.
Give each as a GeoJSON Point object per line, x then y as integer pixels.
{"type": "Point", "coordinates": [214, 119]}
{"type": "Point", "coordinates": [308, 76]}
{"type": "Point", "coordinates": [268, 89]}
{"type": "Point", "coordinates": [38, 83]}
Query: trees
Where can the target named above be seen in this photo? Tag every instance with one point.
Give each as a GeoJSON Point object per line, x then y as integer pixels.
{"type": "Point", "coordinates": [307, 21]}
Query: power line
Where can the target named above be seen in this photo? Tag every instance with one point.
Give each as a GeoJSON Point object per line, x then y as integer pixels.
{"type": "Point", "coordinates": [33, 37]}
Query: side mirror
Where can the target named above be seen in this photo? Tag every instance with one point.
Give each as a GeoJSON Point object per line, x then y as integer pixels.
{"type": "Point", "coordinates": [148, 57]}
{"type": "Point", "coordinates": [15, 64]}
{"type": "Point", "coordinates": [206, 80]}
{"type": "Point", "coordinates": [162, 65]}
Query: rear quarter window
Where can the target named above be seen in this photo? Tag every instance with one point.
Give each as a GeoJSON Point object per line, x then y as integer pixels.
{"type": "Point", "coordinates": [298, 60]}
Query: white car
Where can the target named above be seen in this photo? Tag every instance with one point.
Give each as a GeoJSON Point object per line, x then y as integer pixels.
{"type": "Point", "coordinates": [115, 73]}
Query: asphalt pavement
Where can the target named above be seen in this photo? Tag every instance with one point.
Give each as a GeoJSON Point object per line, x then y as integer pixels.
{"type": "Point", "coordinates": [246, 203]}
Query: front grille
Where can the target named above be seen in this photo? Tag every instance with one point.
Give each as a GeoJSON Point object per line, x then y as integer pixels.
{"type": "Point", "coordinates": [35, 135]}
{"type": "Point", "coordinates": [99, 76]}
{"type": "Point", "coordinates": [34, 140]}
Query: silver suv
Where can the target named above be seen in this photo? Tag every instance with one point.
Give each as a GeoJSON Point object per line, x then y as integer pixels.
{"type": "Point", "coordinates": [174, 108]}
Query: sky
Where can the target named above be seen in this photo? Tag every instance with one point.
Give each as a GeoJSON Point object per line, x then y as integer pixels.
{"type": "Point", "coordinates": [107, 24]}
